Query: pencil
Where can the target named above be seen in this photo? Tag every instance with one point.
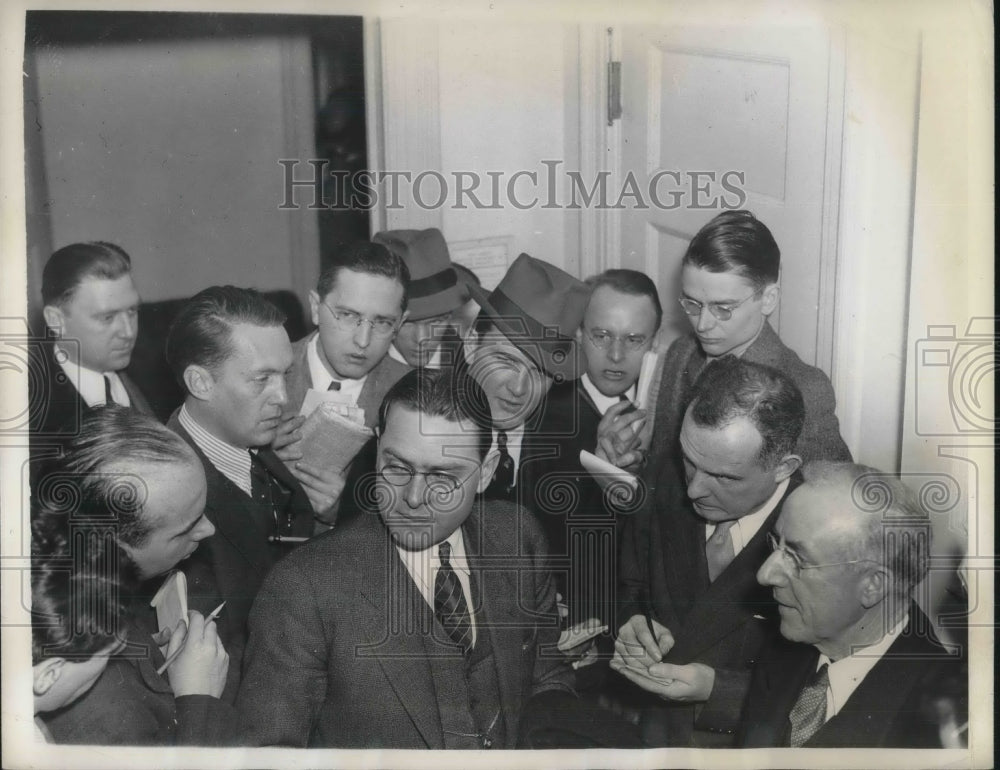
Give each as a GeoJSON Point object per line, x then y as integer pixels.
{"type": "Point", "coordinates": [173, 656]}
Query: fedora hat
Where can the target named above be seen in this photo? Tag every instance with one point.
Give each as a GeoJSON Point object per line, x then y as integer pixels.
{"type": "Point", "coordinates": [434, 288]}
{"type": "Point", "coordinates": [539, 308]}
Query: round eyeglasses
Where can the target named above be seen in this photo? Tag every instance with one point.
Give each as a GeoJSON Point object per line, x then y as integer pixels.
{"type": "Point", "coordinates": [348, 321]}
{"type": "Point", "coordinates": [439, 484]}
{"type": "Point", "coordinates": [723, 311]}
{"type": "Point", "coordinates": [603, 339]}
{"type": "Point", "coordinates": [793, 559]}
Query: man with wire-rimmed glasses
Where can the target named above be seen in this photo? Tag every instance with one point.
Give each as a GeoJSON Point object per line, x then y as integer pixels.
{"type": "Point", "coordinates": [430, 623]}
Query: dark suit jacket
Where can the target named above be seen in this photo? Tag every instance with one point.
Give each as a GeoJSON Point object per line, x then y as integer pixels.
{"type": "Point", "coordinates": [232, 563]}
{"type": "Point", "coordinates": [133, 705]}
{"type": "Point", "coordinates": [380, 379]}
{"type": "Point", "coordinates": [55, 405]}
{"type": "Point", "coordinates": [722, 624]}
{"type": "Point", "coordinates": [889, 708]}
{"type": "Point", "coordinates": [339, 637]}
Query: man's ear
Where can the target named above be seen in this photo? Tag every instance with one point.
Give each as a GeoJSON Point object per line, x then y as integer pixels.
{"type": "Point", "coordinates": [786, 467]}
{"type": "Point", "coordinates": [875, 588]}
{"type": "Point", "coordinates": [46, 674]}
{"type": "Point", "coordinates": [402, 320]}
{"type": "Point", "coordinates": [314, 304]}
{"type": "Point", "coordinates": [199, 381]}
{"type": "Point", "coordinates": [771, 296]}
{"type": "Point", "coordinates": [54, 319]}
{"type": "Point", "coordinates": [488, 468]}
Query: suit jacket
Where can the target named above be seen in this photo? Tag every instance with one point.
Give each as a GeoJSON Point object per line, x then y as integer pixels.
{"type": "Point", "coordinates": [131, 704]}
{"type": "Point", "coordinates": [723, 623]}
{"type": "Point", "coordinates": [380, 379]}
{"type": "Point", "coordinates": [340, 637]}
{"type": "Point", "coordinates": [889, 708]}
{"type": "Point", "coordinates": [232, 563]}
{"type": "Point", "coordinates": [55, 405]}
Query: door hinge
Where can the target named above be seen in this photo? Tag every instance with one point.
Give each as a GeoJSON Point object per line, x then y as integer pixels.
{"type": "Point", "coordinates": [614, 91]}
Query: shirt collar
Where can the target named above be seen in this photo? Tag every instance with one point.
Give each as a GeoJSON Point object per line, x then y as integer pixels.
{"type": "Point", "coordinates": [89, 383]}
{"type": "Point", "coordinates": [231, 461]}
{"type": "Point", "coordinates": [747, 526]}
{"type": "Point", "coordinates": [602, 402]}
{"type": "Point", "coordinates": [321, 377]}
{"type": "Point", "coordinates": [847, 673]}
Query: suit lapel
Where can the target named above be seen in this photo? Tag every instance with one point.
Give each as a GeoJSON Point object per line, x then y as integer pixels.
{"type": "Point", "coordinates": [136, 398]}
{"type": "Point", "coordinates": [397, 620]}
{"type": "Point", "coordinates": [299, 380]}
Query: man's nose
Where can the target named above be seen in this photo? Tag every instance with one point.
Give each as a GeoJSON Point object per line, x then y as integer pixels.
{"type": "Point", "coordinates": [616, 350]}
{"type": "Point", "coordinates": [696, 485]}
{"type": "Point", "coordinates": [770, 572]}
{"type": "Point", "coordinates": [204, 529]}
{"type": "Point", "coordinates": [128, 325]}
{"type": "Point", "coordinates": [280, 394]}
{"type": "Point", "coordinates": [363, 334]}
{"type": "Point", "coordinates": [705, 319]}
{"type": "Point", "coordinates": [413, 494]}
{"type": "Point", "coordinates": [520, 382]}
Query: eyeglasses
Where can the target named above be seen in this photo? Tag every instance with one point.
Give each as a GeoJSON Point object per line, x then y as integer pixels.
{"type": "Point", "coordinates": [722, 311]}
{"type": "Point", "coordinates": [603, 339]}
{"type": "Point", "coordinates": [438, 484]}
{"type": "Point", "coordinates": [348, 321]}
{"type": "Point", "coordinates": [796, 562]}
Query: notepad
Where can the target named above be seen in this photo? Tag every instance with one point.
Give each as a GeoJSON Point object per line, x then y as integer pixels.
{"type": "Point", "coordinates": [171, 603]}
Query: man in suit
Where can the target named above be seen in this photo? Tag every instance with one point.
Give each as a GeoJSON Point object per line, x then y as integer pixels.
{"type": "Point", "coordinates": [596, 412]}
{"type": "Point", "coordinates": [358, 305]}
{"type": "Point", "coordinates": [228, 348]}
{"type": "Point", "coordinates": [693, 617]}
{"type": "Point", "coordinates": [137, 510]}
{"type": "Point", "coordinates": [861, 664]}
{"type": "Point", "coordinates": [91, 306]}
{"type": "Point", "coordinates": [523, 342]}
{"type": "Point", "coordinates": [425, 626]}
{"type": "Point", "coordinates": [428, 336]}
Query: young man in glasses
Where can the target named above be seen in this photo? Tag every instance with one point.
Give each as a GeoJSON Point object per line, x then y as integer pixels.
{"type": "Point", "coordinates": [692, 615]}
{"type": "Point", "coordinates": [424, 626]}
{"type": "Point", "coordinates": [358, 305]}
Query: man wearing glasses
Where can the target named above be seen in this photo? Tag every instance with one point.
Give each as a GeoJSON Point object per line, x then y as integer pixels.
{"type": "Point", "coordinates": [862, 667]}
{"type": "Point", "coordinates": [693, 616]}
{"type": "Point", "coordinates": [424, 626]}
{"type": "Point", "coordinates": [358, 305]}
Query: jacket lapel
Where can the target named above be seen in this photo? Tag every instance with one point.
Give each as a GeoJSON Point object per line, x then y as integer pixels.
{"type": "Point", "coordinates": [298, 380]}
{"type": "Point", "coordinates": [137, 399]}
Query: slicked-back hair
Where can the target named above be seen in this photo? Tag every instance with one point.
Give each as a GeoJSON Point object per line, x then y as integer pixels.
{"type": "Point", "coordinates": [736, 242]}
{"type": "Point", "coordinates": [75, 590]}
{"type": "Point", "coordinates": [447, 393]}
{"type": "Point", "coordinates": [365, 257]}
{"type": "Point", "coordinates": [202, 332]}
{"type": "Point", "coordinates": [730, 388]}
{"type": "Point", "coordinates": [630, 282]}
{"type": "Point", "coordinates": [897, 531]}
{"type": "Point", "coordinates": [92, 480]}
{"type": "Point", "coordinates": [68, 267]}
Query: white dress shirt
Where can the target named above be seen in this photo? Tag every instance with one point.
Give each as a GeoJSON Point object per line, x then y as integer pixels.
{"type": "Point", "coordinates": [231, 461]}
{"type": "Point", "coordinates": [423, 567]}
{"type": "Point", "coordinates": [321, 377]}
{"type": "Point", "coordinates": [602, 402]}
{"type": "Point", "coordinates": [90, 384]}
{"type": "Point", "coordinates": [745, 528]}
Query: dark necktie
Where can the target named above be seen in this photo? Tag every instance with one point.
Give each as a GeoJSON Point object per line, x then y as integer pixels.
{"type": "Point", "coordinates": [503, 476]}
{"type": "Point", "coordinates": [334, 385]}
{"type": "Point", "coordinates": [719, 549]}
{"type": "Point", "coordinates": [268, 493]}
{"type": "Point", "coordinates": [108, 398]}
{"type": "Point", "coordinates": [450, 607]}
{"type": "Point", "coordinates": [809, 712]}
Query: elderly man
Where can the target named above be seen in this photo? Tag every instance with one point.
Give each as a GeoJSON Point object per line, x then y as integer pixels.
{"type": "Point", "coordinates": [358, 305]}
{"type": "Point", "coordinates": [428, 336]}
{"type": "Point", "coordinates": [425, 626]}
{"type": "Point", "coordinates": [595, 413]}
{"type": "Point", "coordinates": [692, 615]}
{"type": "Point", "coordinates": [523, 342]}
{"type": "Point", "coordinates": [228, 347]}
{"type": "Point", "coordinates": [863, 664]}
{"type": "Point", "coordinates": [91, 305]}
{"type": "Point", "coordinates": [138, 511]}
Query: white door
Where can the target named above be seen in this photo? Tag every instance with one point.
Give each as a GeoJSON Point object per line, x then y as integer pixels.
{"type": "Point", "coordinates": [709, 112]}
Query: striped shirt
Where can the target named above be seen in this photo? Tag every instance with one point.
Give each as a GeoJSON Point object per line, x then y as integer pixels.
{"type": "Point", "coordinates": [232, 462]}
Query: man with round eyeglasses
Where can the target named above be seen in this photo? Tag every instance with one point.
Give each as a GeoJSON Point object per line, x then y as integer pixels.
{"type": "Point", "coordinates": [421, 625]}
{"type": "Point", "coordinates": [859, 665]}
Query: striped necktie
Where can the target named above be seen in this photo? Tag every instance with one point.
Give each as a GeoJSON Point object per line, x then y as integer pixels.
{"type": "Point", "coordinates": [450, 607]}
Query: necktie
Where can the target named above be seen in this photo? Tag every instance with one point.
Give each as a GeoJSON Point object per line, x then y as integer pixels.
{"type": "Point", "coordinates": [265, 490]}
{"type": "Point", "coordinates": [719, 549]}
{"type": "Point", "coordinates": [334, 385]}
{"type": "Point", "coordinates": [450, 607]}
{"type": "Point", "coordinates": [108, 398]}
{"type": "Point", "coordinates": [809, 712]}
{"type": "Point", "coordinates": [503, 476]}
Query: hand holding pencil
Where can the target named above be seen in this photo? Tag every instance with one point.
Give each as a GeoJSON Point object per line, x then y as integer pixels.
{"type": "Point", "coordinates": [197, 662]}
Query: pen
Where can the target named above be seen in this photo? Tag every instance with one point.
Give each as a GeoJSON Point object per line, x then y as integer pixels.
{"type": "Point", "coordinates": [173, 656]}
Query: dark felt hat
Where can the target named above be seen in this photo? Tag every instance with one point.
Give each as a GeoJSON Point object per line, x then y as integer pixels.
{"type": "Point", "coordinates": [434, 287]}
{"type": "Point", "coordinates": [539, 308]}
